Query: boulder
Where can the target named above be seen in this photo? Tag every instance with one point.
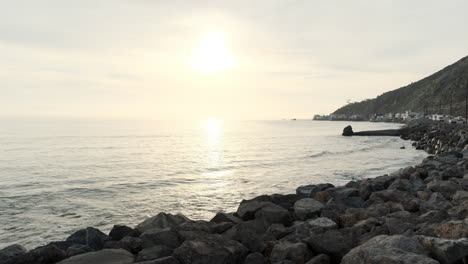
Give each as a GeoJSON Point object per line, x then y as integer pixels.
{"type": "Point", "coordinates": [319, 259]}
{"type": "Point", "coordinates": [248, 208]}
{"type": "Point", "coordinates": [249, 233]}
{"type": "Point", "coordinates": [120, 231]}
{"type": "Point", "coordinates": [161, 220]}
{"type": "Point", "coordinates": [7, 254]}
{"type": "Point", "coordinates": [165, 260]}
{"type": "Point", "coordinates": [255, 258]}
{"type": "Point", "coordinates": [309, 191]}
{"type": "Point", "coordinates": [105, 256]}
{"type": "Point", "coordinates": [152, 253]}
{"type": "Point", "coordinates": [90, 236]}
{"type": "Point", "coordinates": [274, 214]}
{"type": "Point", "coordinates": [219, 228]}
{"type": "Point", "coordinates": [395, 249]}
{"type": "Point", "coordinates": [160, 236]}
{"type": "Point", "coordinates": [296, 252]}
{"type": "Point", "coordinates": [225, 217]}
{"type": "Point", "coordinates": [332, 243]}
{"type": "Point", "coordinates": [453, 229]}
{"type": "Point", "coordinates": [446, 251]}
{"type": "Point", "coordinates": [307, 208]}
{"type": "Point", "coordinates": [211, 249]}
{"type": "Point", "coordinates": [322, 222]}
{"type": "Point", "coordinates": [41, 255]}
{"type": "Point", "coordinates": [77, 249]}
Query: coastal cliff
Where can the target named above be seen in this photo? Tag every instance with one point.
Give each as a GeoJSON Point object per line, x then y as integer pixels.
{"type": "Point", "coordinates": [418, 214]}
{"type": "Point", "coordinates": [442, 92]}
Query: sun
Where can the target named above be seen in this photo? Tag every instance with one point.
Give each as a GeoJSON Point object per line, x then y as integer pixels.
{"type": "Point", "coordinates": [213, 54]}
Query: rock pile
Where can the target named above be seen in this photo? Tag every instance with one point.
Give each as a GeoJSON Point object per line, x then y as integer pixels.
{"type": "Point", "coordinates": [437, 138]}
{"type": "Point", "coordinates": [416, 215]}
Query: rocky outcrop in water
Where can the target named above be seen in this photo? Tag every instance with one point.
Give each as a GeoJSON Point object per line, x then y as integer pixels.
{"type": "Point", "coordinates": [416, 215]}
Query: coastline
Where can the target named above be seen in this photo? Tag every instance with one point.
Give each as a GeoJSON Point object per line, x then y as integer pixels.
{"type": "Point", "coordinates": [415, 215]}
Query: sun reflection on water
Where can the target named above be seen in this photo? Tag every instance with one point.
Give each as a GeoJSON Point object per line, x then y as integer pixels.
{"type": "Point", "coordinates": [214, 142]}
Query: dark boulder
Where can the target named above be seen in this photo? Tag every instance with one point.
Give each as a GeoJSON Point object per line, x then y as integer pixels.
{"type": "Point", "coordinates": [212, 249]}
{"type": "Point", "coordinates": [120, 231]}
{"type": "Point", "coordinates": [90, 236]}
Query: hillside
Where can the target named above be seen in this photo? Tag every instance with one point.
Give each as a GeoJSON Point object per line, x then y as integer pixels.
{"type": "Point", "coordinates": [432, 94]}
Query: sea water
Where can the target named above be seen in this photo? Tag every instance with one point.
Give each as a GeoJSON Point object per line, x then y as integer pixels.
{"type": "Point", "coordinates": [57, 176]}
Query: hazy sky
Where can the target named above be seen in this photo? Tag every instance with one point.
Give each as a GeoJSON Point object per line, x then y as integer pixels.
{"type": "Point", "coordinates": [294, 58]}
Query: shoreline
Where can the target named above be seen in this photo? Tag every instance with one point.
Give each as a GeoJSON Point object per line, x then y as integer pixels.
{"type": "Point", "coordinates": [418, 214]}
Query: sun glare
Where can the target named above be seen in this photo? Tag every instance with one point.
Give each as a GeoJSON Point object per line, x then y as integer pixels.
{"type": "Point", "coordinates": [213, 54]}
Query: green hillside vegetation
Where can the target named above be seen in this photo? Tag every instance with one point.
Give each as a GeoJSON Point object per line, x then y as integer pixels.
{"type": "Point", "coordinates": [441, 93]}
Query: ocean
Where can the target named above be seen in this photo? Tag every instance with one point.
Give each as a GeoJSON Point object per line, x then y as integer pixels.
{"type": "Point", "coordinates": [58, 176]}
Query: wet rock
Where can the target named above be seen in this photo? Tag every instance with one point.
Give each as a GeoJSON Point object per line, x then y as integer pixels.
{"type": "Point", "coordinates": [105, 256]}
{"type": "Point", "coordinates": [120, 231]}
{"type": "Point", "coordinates": [160, 236]}
{"type": "Point", "coordinates": [225, 217]}
{"type": "Point", "coordinates": [396, 249]}
{"type": "Point", "coordinates": [446, 250]}
{"type": "Point", "coordinates": [90, 236]}
{"type": "Point", "coordinates": [284, 250]}
{"type": "Point", "coordinates": [307, 208]}
{"type": "Point", "coordinates": [161, 220]}
{"type": "Point", "coordinates": [152, 253]}
{"type": "Point", "coordinates": [211, 249]}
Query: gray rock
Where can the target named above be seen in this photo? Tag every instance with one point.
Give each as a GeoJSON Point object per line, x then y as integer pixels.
{"type": "Point", "coordinates": [332, 243]}
{"type": "Point", "coordinates": [322, 222]}
{"type": "Point", "coordinates": [161, 220]}
{"type": "Point", "coordinates": [273, 214]}
{"type": "Point", "coordinates": [77, 249]}
{"type": "Point", "coordinates": [105, 256]}
{"type": "Point", "coordinates": [219, 228]}
{"type": "Point", "coordinates": [460, 196]}
{"type": "Point", "coordinates": [41, 255]}
{"type": "Point", "coordinates": [396, 249]}
{"type": "Point", "coordinates": [249, 233]}
{"type": "Point", "coordinates": [309, 191]}
{"type": "Point", "coordinates": [90, 236]}
{"type": "Point", "coordinates": [307, 208]}
{"type": "Point", "coordinates": [446, 251]}
{"type": "Point", "coordinates": [319, 259]}
{"type": "Point", "coordinates": [160, 236]}
{"type": "Point", "coordinates": [12, 251]}
{"type": "Point", "coordinates": [211, 249]}
{"type": "Point", "coordinates": [296, 252]}
{"type": "Point", "coordinates": [152, 253]}
{"type": "Point", "coordinates": [165, 260]}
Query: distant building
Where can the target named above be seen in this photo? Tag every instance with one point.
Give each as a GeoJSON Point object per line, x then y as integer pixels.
{"type": "Point", "coordinates": [338, 117]}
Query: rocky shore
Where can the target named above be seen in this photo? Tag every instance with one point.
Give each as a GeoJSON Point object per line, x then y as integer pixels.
{"type": "Point", "coordinates": [416, 215]}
